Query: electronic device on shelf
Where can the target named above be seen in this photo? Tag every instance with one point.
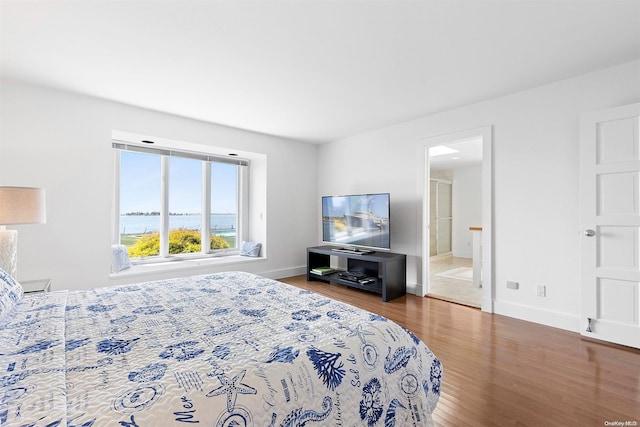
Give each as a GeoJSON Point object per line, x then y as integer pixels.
{"type": "Point", "coordinates": [358, 277]}
{"type": "Point", "coordinates": [352, 276]}
{"type": "Point", "coordinates": [357, 221]}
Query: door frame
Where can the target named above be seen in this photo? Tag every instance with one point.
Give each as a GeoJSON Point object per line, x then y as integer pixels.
{"type": "Point", "coordinates": [486, 132]}
{"type": "Point", "coordinates": [446, 182]}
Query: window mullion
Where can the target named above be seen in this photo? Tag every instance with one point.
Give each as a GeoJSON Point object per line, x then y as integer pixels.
{"type": "Point", "coordinates": [116, 199]}
{"type": "Point", "coordinates": [242, 202]}
{"type": "Point", "coordinates": [205, 246]}
{"type": "Point", "coordinates": [164, 206]}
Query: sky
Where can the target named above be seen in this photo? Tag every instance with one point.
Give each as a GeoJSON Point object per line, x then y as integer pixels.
{"type": "Point", "coordinates": [377, 204]}
{"type": "Point", "coordinates": [140, 184]}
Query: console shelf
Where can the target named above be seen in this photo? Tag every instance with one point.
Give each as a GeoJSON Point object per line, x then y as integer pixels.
{"type": "Point", "coordinates": [388, 269]}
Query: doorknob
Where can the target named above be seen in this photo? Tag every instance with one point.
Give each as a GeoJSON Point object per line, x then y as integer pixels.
{"type": "Point", "coordinates": [589, 233]}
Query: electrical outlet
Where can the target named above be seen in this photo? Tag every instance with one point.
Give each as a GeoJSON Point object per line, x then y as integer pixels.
{"type": "Point", "coordinates": [542, 291]}
{"type": "Point", "coordinates": [512, 285]}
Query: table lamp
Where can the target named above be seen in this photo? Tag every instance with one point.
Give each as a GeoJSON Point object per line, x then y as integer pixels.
{"type": "Point", "coordinates": [18, 205]}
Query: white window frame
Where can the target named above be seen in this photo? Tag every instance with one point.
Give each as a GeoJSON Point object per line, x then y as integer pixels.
{"type": "Point", "coordinates": [207, 159]}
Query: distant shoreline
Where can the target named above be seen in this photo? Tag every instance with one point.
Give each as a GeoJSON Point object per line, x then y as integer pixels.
{"type": "Point", "coordinates": [145, 224]}
{"type": "Point", "coordinates": [170, 214]}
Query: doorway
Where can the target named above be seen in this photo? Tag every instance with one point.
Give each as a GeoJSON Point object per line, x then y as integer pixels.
{"type": "Point", "coordinates": [461, 239]}
{"type": "Point", "coordinates": [455, 179]}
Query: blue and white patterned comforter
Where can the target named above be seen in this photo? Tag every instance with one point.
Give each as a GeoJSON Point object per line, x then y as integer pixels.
{"type": "Point", "coordinates": [229, 349]}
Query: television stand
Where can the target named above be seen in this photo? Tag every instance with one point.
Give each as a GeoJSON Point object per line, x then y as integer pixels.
{"type": "Point", "coordinates": [386, 271]}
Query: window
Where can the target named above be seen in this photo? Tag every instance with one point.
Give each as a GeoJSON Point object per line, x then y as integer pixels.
{"type": "Point", "coordinates": [174, 204]}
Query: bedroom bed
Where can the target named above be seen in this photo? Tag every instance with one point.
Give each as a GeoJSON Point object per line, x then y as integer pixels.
{"type": "Point", "coordinates": [228, 349]}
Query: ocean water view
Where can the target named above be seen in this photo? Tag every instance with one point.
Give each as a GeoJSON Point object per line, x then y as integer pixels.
{"type": "Point", "coordinates": [221, 224]}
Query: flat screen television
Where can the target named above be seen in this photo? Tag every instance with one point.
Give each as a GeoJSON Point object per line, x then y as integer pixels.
{"type": "Point", "coordinates": [357, 221]}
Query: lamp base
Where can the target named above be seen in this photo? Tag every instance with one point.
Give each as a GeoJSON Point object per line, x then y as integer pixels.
{"type": "Point", "coordinates": [9, 252]}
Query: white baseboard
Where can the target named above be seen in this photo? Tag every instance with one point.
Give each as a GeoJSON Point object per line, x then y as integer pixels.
{"type": "Point", "coordinates": [554, 319]}
{"type": "Point", "coordinates": [414, 289]}
{"type": "Point", "coordinates": [487, 304]}
{"type": "Point", "coordinates": [284, 272]}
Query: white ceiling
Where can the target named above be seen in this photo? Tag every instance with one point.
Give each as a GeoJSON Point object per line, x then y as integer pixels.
{"type": "Point", "coordinates": [314, 71]}
{"type": "Point", "coordinates": [468, 152]}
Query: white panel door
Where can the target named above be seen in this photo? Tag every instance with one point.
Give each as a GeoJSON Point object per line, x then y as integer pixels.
{"type": "Point", "coordinates": [610, 207]}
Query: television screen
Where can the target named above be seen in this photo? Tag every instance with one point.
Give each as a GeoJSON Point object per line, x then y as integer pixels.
{"type": "Point", "coordinates": [356, 220]}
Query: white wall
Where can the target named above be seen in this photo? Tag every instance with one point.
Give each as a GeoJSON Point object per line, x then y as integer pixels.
{"type": "Point", "coordinates": [535, 170]}
{"type": "Point", "coordinates": [467, 208]}
{"type": "Point", "coordinates": [62, 142]}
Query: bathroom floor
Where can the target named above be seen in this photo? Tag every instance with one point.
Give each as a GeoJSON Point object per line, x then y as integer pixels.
{"type": "Point", "coordinates": [450, 279]}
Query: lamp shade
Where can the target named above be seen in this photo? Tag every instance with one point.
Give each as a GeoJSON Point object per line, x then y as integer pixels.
{"type": "Point", "coordinates": [22, 205]}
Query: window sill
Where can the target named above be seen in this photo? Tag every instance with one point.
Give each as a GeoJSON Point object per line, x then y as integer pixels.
{"type": "Point", "coordinates": [182, 265]}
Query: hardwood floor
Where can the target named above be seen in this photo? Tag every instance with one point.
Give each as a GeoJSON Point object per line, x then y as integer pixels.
{"type": "Point", "coordinates": [500, 371]}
